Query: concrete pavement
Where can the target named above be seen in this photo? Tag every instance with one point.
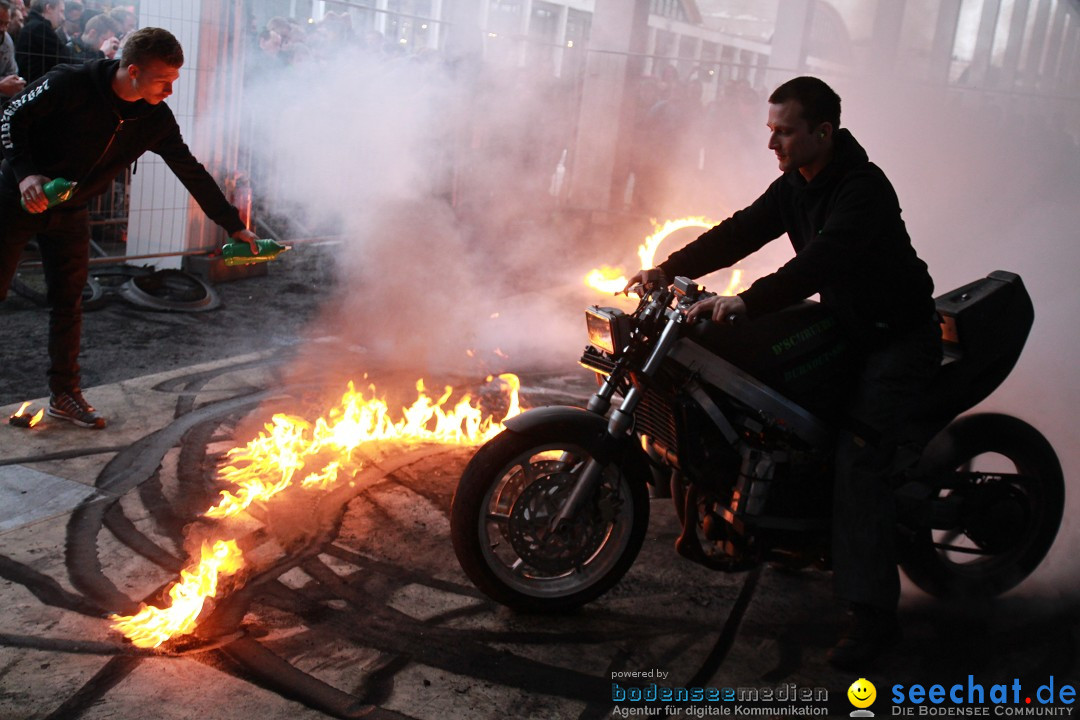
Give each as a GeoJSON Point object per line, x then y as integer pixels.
{"type": "Point", "coordinates": [358, 607]}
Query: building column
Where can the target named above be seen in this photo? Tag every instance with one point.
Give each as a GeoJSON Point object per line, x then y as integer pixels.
{"type": "Point", "coordinates": [941, 51]}
{"type": "Point", "coordinates": [888, 21]}
{"type": "Point", "coordinates": [381, 6]}
{"type": "Point", "coordinates": [1070, 73]}
{"type": "Point", "coordinates": [984, 44]}
{"type": "Point", "coordinates": [465, 23]}
{"type": "Point", "coordinates": [1010, 63]}
{"type": "Point", "coordinates": [790, 40]}
{"type": "Point", "coordinates": [650, 50]}
{"type": "Point", "coordinates": [606, 106]}
{"type": "Point", "coordinates": [560, 38]}
{"type": "Point", "coordinates": [1033, 60]}
{"type": "Point", "coordinates": [1051, 66]}
{"type": "Point", "coordinates": [523, 31]}
{"type": "Point", "coordinates": [435, 29]}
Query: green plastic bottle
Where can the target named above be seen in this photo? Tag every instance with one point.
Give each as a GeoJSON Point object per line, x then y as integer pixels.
{"type": "Point", "coordinates": [239, 253]}
{"type": "Point", "coordinates": [56, 190]}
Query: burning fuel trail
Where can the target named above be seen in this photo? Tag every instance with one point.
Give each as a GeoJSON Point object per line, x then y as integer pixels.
{"type": "Point", "coordinates": [268, 464]}
{"type": "Point", "coordinates": [317, 453]}
{"type": "Point", "coordinates": [152, 626]}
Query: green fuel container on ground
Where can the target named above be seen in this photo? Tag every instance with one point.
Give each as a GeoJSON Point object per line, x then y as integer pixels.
{"type": "Point", "coordinates": [239, 253]}
{"type": "Point", "coordinates": [56, 190]}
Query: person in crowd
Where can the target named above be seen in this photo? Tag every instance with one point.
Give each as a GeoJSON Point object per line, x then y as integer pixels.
{"type": "Point", "coordinates": [334, 32]}
{"type": "Point", "coordinates": [731, 129]}
{"type": "Point", "coordinates": [73, 20]}
{"type": "Point", "coordinates": [18, 18]}
{"type": "Point", "coordinates": [90, 9]}
{"type": "Point", "coordinates": [843, 219]}
{"type": "Point", "coordinates": [99, 40]}
{"type": "Point", "coordinates": [269, 43]}
{"type": "Point", "coordinates": [666, 156]}
{"type": "Point", "coordinates": [374, 43]}
{"type": "Point", "coordinates": [66, 125]}
{"type": "Point", "coordinates": [39, 48]}
{"type": "Point", "coordinates": [289, 31]}
{"type": "Point", "coordinates": [10, 81]}
{"type": "Point", "coordinates": [125, 18]}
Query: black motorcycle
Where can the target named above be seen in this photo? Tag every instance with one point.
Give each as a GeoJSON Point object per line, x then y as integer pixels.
{"type": "Point", "coordinates": [736, 423]}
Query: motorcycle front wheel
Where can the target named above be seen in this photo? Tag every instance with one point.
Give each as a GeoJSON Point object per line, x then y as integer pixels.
{"type": "Point", "coordinates": [500, 521]}
{"type": "Point", "coordinates": [1009, 482]}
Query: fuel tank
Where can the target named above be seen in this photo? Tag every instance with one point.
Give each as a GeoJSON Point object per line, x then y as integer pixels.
{"type": "Point", "coordinates": [800, 352]}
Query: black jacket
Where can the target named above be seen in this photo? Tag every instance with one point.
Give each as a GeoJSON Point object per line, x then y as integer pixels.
{"type": "Point", "coordinates": [850, 245]}
{"type": "Point", "coordinates": [80, 52]}
{"type": "Point", "coordinates": [38, 48]}
{"type": "Point", "coordinates": [71, 124]}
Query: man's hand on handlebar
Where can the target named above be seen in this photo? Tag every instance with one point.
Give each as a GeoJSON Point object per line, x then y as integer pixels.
{"type": "Point", "coordinates": [719, 309]}
{"type": "Point", "coordinates": [646, 280]}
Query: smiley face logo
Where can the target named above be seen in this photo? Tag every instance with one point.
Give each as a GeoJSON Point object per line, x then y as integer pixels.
{"type": "Point", "coordinates": [862, 693]}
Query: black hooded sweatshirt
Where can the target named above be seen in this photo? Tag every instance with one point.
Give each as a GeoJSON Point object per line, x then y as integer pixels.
{"type": "Point", "coordinates": [71, 124]}
{"type": "Point", "coordinates": [850, 243]}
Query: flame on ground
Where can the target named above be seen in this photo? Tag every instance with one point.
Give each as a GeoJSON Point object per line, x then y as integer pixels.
{"type": "Point", "coordinates": [611, 280]}
{"type": "Point", "coordinates": [152, 626]}
{"type": "Point", "coordinates": [21, 412]}
{"type": "Point", "coordinates": [289, 445]}
{"type": "Point", "coordinates": [317, 454]}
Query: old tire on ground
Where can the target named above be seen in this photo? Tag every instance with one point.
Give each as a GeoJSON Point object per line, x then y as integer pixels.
{"type": "Point", "coordinates": [110, 278]}
{"type": "Point", "coordinates": [29, 282]}
{"type": "Point", "coordinates": [170, 291]}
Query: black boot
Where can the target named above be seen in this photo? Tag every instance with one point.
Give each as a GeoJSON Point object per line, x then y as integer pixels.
{"type": "Point", "coordinates": [872, 631]}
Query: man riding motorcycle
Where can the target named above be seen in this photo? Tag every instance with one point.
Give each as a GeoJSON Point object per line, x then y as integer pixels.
{"type": "Point", "coordinates": [843, 219]}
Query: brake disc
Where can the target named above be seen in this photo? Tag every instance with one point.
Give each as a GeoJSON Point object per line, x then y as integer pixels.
{"type": "Point", "coordinates": [533, 538]}
{"type": "Point", "coordinates": [515, 483]}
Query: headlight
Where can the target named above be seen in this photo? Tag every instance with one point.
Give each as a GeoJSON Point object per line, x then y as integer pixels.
{"type": "Point", "coordinates": [609, 328]}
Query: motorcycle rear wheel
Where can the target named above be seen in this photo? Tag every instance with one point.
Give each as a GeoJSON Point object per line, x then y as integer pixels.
{"type": "Point", "coordinates": [499, 519]}
{"type": "Point", "coordinates": [1014, 518]}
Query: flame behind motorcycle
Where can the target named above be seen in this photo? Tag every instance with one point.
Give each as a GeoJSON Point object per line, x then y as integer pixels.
{"type": "Point", "coordinates": [740, 422]}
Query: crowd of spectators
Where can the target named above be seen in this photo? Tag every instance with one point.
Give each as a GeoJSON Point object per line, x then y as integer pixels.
{"type": "Point", "coordinates": [286, 41]}
{"type": "Point", "coordinates": [49, 32]}
{"type": "Point", "coordinates": [697, 133]}
{"type": "Point", "coordinates": [689, 153]}
{"type": "Point", "coordinates": [689, 146]}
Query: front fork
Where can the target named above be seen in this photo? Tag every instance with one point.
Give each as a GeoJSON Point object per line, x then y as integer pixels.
{"type": "Point", "coordinates": [619, 425]}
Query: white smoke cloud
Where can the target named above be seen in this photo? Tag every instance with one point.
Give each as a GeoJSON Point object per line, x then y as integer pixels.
{"type": "Point", "coordinates": [985, 182]}
{"type": "Point", "coordinates": [435, 242]}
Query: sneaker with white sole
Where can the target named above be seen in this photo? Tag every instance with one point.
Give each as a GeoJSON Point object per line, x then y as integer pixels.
{"type": "Point", "coordinates": [70, 405]}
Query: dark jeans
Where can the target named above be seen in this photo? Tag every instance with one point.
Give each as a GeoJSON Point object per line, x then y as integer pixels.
{"type": "Point", "coordinates": [63, 234]}
{"type": "Point", "coordinates": [893, 381]}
